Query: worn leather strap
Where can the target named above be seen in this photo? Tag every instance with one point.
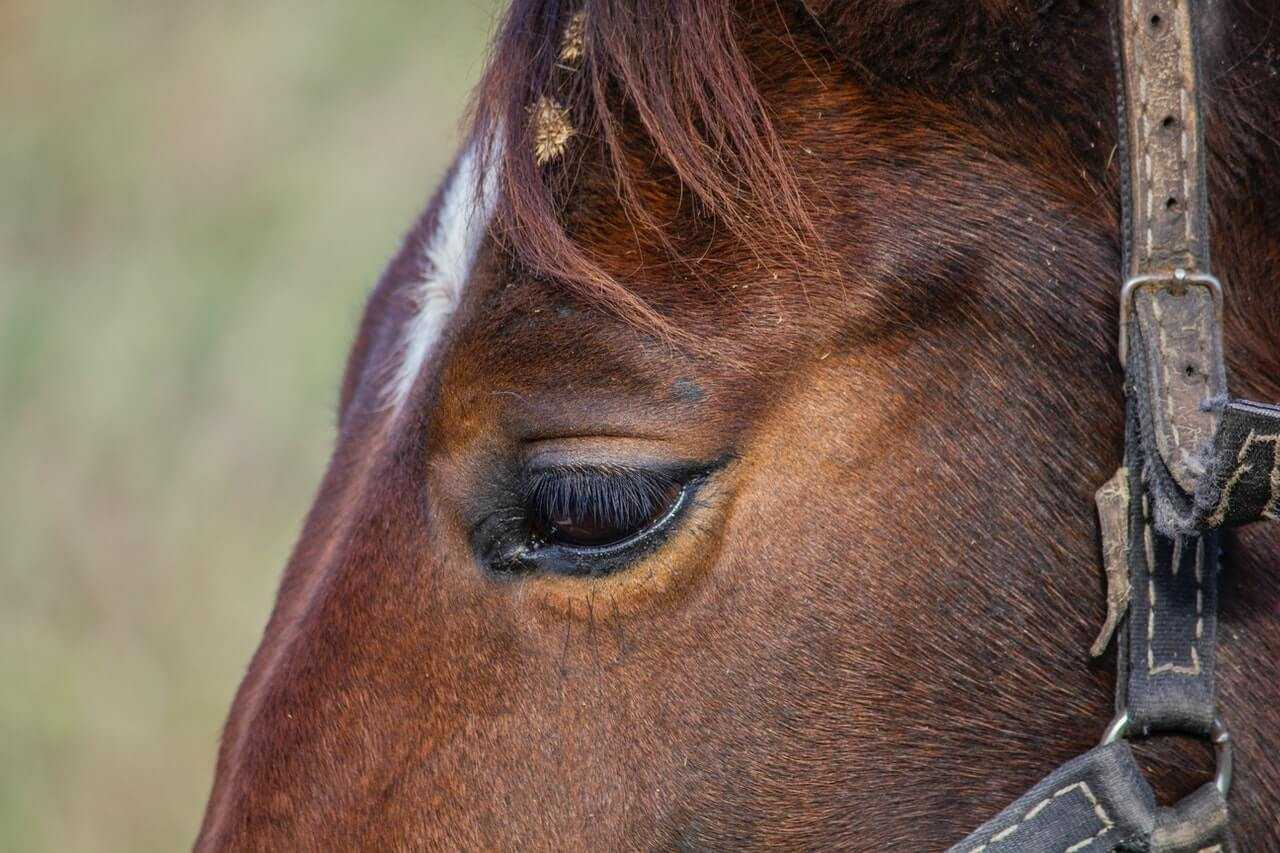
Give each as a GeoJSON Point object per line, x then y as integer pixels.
{"type": "Point", "coordinates": [1169, 210]}
{"type": "Point", "coordinates": [1167, 236]}
{"type": "Point", "coordinates": [1237, 469]}
{"type": "Point", "coordinates": [1178, 320]}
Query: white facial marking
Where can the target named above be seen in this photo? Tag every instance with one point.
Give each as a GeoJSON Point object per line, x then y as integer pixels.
{"type": "Point", "coordinates": [447, 258]}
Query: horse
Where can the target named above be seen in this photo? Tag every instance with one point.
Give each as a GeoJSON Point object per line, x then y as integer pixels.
{"type": "Point", "coordinates": [715, 459]}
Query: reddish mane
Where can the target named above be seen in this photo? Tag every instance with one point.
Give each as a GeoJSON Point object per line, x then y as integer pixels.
{"type": "Point", "coordinates": [657, 97]}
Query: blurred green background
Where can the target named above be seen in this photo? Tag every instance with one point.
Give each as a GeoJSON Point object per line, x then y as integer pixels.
{"type": "Point", "coordinates": [194, 201]}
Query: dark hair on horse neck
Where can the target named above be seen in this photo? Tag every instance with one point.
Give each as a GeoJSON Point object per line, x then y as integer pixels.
{"type": "Point", "coordinates": [672, 71]}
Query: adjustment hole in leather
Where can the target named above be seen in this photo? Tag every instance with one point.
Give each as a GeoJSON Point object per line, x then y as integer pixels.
{"type": "Point", "coordinates": [1171, 203]}
{"type": "Point", "coordinates": [1156, 20]}
{"type": "Point", "coordinates": [1168, 122]}
{"type": "Point", "coordinates": [1190, 371]}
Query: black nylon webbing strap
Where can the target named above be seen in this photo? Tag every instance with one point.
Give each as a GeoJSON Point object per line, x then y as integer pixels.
{"type": "Point", "coordinates": [1242, 483]}
{"type": "Point", "coordinates": [1096, 802]}
{"type": "Point", "coordinates": [1167, 665]}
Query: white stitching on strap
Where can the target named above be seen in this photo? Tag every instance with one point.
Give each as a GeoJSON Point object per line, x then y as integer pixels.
{"type": "Point", "coordinates": [1170, 667]}
{"type": "Point", "coordinates": [1008, 831]}
{"type": "Point", "coordinates": [1162, 328]}
{"type": "Point", "coordinates": [1271, 509]}
{"type": "Point", "coordinates": [1149, 543]}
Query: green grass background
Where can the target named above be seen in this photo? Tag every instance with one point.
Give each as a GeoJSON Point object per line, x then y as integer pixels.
{"type": "Point", "coordinates": [194, 201]}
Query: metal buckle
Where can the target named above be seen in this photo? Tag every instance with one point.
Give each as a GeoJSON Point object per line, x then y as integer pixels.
{"type": "Point", "coordinates": [1178, 278]}
{"type": "Point", "coordinates": [1218, 736]}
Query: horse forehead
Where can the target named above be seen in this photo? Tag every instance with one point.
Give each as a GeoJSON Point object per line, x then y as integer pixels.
{"type": "Point", "coordinates": [507, 309]}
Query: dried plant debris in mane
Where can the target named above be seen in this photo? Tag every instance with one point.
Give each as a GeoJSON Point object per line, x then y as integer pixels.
{"type": "Point", "coordinates": [551, 130]}
{"type": "Point", "coordinates": [571, 44]}
{"type": "Point", "coordinates": [651, 95]}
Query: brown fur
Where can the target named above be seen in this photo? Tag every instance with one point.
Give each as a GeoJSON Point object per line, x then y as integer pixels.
{"type": "Point", "coordinates": [896, 298]}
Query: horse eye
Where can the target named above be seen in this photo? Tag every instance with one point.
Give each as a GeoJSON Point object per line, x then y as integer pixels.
{"type": "Point", "coordinates": [594, 508]}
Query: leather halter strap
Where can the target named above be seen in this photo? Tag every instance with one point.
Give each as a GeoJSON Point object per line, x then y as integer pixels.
{"type": "Point", "coordinates": [1170, 293]}
{"type": "Point", "coordinates": [1195, 462]}
{"type": "Point", "coordinates": [1168, 206]}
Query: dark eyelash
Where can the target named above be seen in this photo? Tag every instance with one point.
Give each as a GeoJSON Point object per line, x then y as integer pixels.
{"type": "Point", "coordinates": [625, 496]}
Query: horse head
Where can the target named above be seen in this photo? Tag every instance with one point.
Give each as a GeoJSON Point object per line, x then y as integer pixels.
{"type": "Point", "coordinates": [715, 460]}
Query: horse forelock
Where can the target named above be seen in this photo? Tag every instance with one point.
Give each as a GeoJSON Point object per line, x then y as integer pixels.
{"type": "Point", "coordinates": [634, 90]}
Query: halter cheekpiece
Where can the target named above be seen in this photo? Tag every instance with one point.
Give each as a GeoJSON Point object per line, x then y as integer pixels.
{"type": "Point", "coordinates": [1196, 462]}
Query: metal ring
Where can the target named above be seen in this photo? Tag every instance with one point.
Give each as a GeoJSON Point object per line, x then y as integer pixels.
{"type": "Point", "coordinates": [1219, 736]}
{"type": "Point", "coordinates": [1116, 729]}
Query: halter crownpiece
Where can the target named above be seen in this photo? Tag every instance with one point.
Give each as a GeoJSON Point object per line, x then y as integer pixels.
{"type": "Point", "coordinates": [1195, 462]}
